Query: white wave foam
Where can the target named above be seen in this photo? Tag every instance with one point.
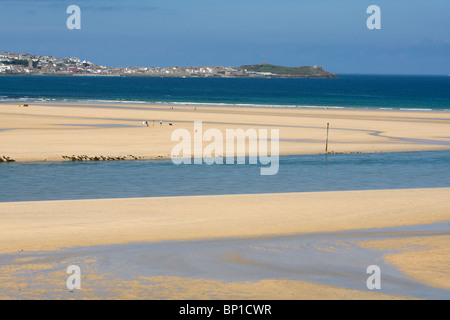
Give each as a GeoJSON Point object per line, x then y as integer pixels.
{"type": "Point", "coordinates": [415, 109]}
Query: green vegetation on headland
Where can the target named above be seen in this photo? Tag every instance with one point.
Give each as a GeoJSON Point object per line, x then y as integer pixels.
{"type": "Point", "coordinates": [271, 70]}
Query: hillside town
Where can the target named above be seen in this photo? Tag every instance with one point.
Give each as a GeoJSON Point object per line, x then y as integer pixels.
{"type": "Point", "coordinates": [27, 64]}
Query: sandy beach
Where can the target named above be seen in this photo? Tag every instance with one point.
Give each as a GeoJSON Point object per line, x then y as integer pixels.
{"type": "Point", "coordinates": [49, 131]}
{"type": "Point", "coordinates": [35, 237]}
{"type": "Point", "coordinates": [38, 240]}
{"type": "Point", "coordinates": [224, 151]}
{"type": "Point", "coordinates": [52, 225]}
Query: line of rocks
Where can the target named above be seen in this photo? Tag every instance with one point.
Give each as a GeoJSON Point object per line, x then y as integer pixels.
{"type": "Point", "coordinates": [100, 158]}
{"type": "Point", "coordinates": [349, 152]}
{"type": "Point", "coordinates": [6, 159]}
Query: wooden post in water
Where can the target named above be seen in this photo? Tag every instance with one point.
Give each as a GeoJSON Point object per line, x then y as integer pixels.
{"type": "Point", "coordinates": [326, 145]}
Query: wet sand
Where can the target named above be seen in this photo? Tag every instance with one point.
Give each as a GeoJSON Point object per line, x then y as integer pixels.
{"type": "Point", "coordinates": [229, 247]}
{"type": "Point", "coordinates": [38, 240]}
{"type": "Point", "coordinates": [330, 265]}
{"type": "Point", "coordinates": [425, 259]}
{"type": "Point", "coordinates": [47, 131]}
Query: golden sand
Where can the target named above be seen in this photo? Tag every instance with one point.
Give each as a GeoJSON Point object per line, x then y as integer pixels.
{"type": "Point", "coordinates": [51, 225]}
{"type": "Point", "coordinates": [426, 259]}
{"type": "Point", "coordinates": [48, 131]}
{"type": "Point", "coordinates": [55, 131]}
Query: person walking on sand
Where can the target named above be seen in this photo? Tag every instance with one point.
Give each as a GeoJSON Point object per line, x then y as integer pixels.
{"type": "Point", "coordinates": [160, 123]}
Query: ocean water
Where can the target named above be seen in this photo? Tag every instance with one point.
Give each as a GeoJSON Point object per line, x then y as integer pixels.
{"type": "Point", "coordinates": [74, 180]}
{"type": "Point", "coordinates": [155, 178]}
{"type": "Point", "coordinates": [348, 91]}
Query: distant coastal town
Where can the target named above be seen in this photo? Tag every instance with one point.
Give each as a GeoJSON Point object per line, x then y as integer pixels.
{"type": "Point", "coordinates": [28, 64]}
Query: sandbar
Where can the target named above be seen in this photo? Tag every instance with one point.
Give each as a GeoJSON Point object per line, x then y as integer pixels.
{"type": "Point", "coordinates": [52, 225]}
{"type": "Point", "coordinates": [47, 131]}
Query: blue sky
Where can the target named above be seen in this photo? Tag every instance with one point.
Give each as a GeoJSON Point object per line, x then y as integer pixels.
{"type": "Point", "coordinates": [414, 36]}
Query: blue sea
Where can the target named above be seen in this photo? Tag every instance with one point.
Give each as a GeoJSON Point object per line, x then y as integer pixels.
{"type": "Point", "coordinates": [285, 257]}
{"type": "Point", "coordinates": [156, 178]}
{"type": "Point", "coordinates": [348, 91]}
{"type": "Point", "coordinates": [79, 180]}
